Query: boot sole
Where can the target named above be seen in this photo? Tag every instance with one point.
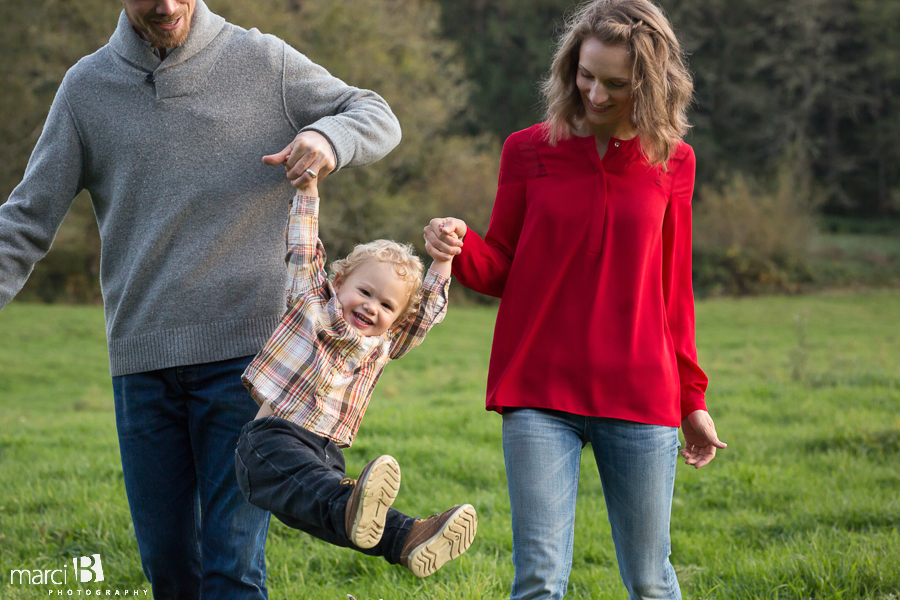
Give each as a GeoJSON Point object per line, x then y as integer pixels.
{"type": "Point", "coordinates": [449, 542]}
{"type": "Point", "coordinates": [378, 490]}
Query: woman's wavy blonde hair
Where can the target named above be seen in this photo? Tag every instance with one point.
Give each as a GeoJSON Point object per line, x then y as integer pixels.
{"type": "Point", "coordinates": [407, 266]}
{"type": "Point", "coordinates": [661, 84]}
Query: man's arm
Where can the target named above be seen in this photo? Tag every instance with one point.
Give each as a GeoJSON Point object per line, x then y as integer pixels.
{"type": "Point", "coordinates": [357, 123]}
{"type": "Point", "coordinates": [31, 217]}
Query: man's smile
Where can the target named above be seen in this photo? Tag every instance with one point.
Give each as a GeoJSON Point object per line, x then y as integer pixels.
{"type": "Point", "coordinates": [168, 25]}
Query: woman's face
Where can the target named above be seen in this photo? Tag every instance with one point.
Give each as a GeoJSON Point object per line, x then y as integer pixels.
{"type": "Point", "coordinates": [604, 80]}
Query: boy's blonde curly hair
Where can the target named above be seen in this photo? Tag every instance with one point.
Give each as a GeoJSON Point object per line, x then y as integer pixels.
{"type": "Point", "coordinates": [407, 266]}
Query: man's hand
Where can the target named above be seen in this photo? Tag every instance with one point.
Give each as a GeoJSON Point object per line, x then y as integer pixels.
{"type": "Point", "coordinates": [309, 150]}
{"type": "Point", "coordinates": [443, 238]}
{"type": "Point", "coordinates": [700, 439]}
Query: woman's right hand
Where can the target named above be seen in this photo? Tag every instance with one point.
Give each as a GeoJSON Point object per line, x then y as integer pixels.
{"type": "Point", "coordinates": [443, 237]}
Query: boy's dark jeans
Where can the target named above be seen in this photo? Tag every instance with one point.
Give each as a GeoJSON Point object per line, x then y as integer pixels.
{"type": "Point", "coordinates": [296, 475]}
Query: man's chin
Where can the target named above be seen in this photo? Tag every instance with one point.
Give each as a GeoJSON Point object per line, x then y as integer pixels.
{"type": "Point", "coordinates": [167, 39]}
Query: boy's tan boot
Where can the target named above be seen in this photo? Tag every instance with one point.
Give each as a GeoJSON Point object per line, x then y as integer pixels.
{"type": "Point", "coordinates": [368, 504]}
{"type": "Point", "coordinates": [434, 541]}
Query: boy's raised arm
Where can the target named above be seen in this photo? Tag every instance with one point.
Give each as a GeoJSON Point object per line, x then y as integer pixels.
{"type": "Point", "coordinates": [305, 255]}
{"type": "Point", "coordinates": [433, 306]}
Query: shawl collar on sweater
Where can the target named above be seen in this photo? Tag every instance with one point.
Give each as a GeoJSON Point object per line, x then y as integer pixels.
{"type": "Point", "coordinates": [169, 82]}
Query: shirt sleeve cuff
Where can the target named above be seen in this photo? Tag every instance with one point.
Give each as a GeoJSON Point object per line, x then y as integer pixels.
{"type": "Point", "coordinates": [305, 205]}
{"type": "Point", "coordinates": [434, 281]}
{"type": "Point", "coordinates": [691, 399]}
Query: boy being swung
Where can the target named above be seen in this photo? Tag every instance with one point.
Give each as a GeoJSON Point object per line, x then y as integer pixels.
{"type": "Point", "coordinates": [313, 381]}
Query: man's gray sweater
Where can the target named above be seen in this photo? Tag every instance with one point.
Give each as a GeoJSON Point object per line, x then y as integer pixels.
{"type": "Point", "coordinates": [191, 220]}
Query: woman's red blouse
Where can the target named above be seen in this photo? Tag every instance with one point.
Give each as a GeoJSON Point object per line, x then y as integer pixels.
{"type": "Point", "coordinates": [592, 259]}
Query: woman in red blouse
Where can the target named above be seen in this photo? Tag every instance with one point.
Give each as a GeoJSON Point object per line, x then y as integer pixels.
{"type": "Point", "coordinates": [589, 247]}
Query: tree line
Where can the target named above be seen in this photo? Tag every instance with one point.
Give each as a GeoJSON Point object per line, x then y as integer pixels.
{"type": "Point", "coordinates": [814, 81]}
{"type": "Point", "coordinates": [811, 84]}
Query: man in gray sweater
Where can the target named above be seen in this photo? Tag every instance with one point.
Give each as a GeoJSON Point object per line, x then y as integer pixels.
{"type": "Point", "coordinates": [165, 127]}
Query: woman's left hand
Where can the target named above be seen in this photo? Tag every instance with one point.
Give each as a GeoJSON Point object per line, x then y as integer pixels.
{"type": "Point", "coordinates": [700, 439]}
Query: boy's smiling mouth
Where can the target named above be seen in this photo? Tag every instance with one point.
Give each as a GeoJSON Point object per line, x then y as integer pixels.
{"type": "Point", "coordinates": [363, 320]}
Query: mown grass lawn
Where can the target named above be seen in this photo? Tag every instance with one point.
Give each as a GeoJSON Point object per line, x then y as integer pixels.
{"type": "Point", "coordinates": [805, 502]}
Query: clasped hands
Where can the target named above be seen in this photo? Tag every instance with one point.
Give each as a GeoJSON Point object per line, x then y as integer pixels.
{"type": "Point", "coordinates": [444, 237]}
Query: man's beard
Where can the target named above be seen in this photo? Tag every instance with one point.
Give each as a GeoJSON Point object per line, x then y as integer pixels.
{"type": "Point", "coordinates": [169, 39]}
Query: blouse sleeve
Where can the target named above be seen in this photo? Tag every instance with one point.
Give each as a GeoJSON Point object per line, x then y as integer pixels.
{"type": "Point", "coordinates": [677, 289]}
{"type": "Point", "coordinates": [483, 265]}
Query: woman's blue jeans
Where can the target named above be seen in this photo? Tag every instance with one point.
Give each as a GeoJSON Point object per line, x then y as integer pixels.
{"type": "Point", "coordinates": [542, 450]}
{"type": "Point", "coordinates": [178, 429]}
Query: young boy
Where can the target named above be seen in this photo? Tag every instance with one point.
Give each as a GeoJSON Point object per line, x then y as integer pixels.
{"type": "Point", "coordinates": [313, 381]}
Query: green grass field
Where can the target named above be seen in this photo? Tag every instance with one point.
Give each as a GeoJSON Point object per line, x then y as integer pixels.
{"type": "Point", "coordinates": [805, 502]}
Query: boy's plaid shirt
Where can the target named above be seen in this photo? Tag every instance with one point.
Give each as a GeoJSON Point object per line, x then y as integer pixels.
{"type": "Point", "coordinates": [316, 370]}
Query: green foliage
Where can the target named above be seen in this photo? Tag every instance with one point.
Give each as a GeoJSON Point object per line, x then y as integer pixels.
{"type": "Point", "coordinates": [752, 238]}
{"type": "Point", "coordinates": [40, 41]}
{"type": "Point", "coordinates": [507, 45]}
{"type": "Point", "coordinates": [737, 272]}
{"type": "Point", "coordinates": [811, 83]}
{"type": "Point", "coordinates": [391, 47]}
{"type": "Point", "coordinates": [883, 227]}
{"type": "Point", "coordinates": [802, 74]}
{"type": "Point", "coordinates": [802, 504]}
{"type": "Point", "coordinates": [816, 75]}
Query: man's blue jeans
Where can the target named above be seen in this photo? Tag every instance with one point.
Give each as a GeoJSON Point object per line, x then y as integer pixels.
{"type": "Point", "coordinates": [197, 535]}
{"type": "Point", "coordinates": [542, 450]}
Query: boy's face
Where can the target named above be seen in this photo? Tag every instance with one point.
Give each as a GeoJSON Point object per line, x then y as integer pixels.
{"type": "Point", "coordinates": [373, 296]}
